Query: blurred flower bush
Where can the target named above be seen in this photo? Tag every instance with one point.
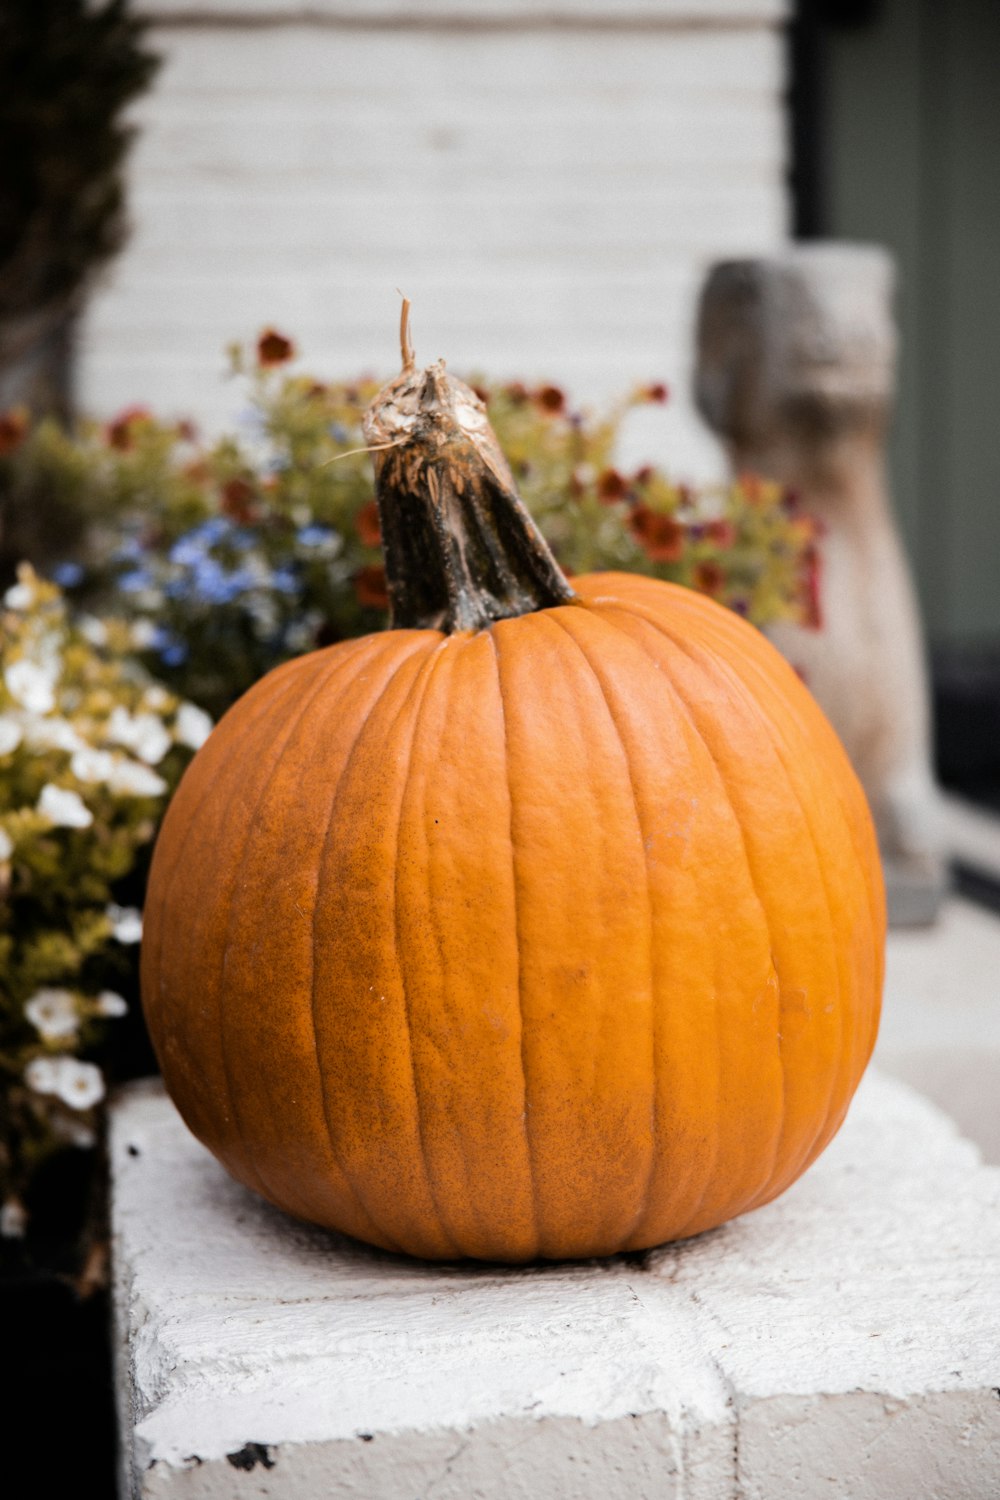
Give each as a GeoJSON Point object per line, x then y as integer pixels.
{"type": "Point", "coordinates": [90, 747]}
{"type": "Point", "coordinates": [230, 557]}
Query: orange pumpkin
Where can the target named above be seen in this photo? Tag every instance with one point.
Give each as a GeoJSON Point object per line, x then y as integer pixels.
{"type": "Point", "coordinates": [547, 923]}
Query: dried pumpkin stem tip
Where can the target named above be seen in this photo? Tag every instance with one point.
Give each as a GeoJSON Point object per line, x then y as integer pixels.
{"type": "Point", "coordinates": [405, 347]}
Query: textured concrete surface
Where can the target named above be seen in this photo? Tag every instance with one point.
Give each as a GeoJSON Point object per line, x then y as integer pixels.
{"type": "Point", "coordinates": [842, 1343]}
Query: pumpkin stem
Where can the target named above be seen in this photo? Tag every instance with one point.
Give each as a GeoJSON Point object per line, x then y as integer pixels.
{"type": "Point", "coordinates": [405, 347]}
{"type": "Point", "coordinates": [461, 549]}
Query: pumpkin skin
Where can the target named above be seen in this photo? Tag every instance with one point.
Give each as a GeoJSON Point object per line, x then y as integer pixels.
{"type": "Point", "coordinates": [556, 938]}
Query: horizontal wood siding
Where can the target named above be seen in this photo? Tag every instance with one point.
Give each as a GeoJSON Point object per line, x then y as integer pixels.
{"type": "Point", "coordinates": [548, 199]}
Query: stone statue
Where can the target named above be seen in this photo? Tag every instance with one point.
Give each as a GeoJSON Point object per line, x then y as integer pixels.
{"type": "Point", "coordinates": [795, 371]}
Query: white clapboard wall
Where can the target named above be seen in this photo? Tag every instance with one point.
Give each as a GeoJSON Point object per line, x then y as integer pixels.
{"type": "Point", "coordinates": [546, 182]}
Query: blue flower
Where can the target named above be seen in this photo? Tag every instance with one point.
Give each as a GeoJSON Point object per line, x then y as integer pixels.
{"type": "Point", "coordinates": [130, 549]}
{"type": "Point", "coordinates": [240, 580]}
{"type": "Point", "coordinates": [190, 548]}
{"type": "Point", "coordinates": [187, 552]}
{"type": "Point", "coordinates": [214, 584]}
{"type": "Point", "coordinates": [314, 535]}
{"type": "Point", "coordinates": [67, 574]}
{"type": "Point", "coordinates": [338, 432]}
{"type": "Point", "coordinates": [211, 581]}
{"type": "Point", "coordinates": [285, 580]}
{"type": "Point", "coordinates": [135, 581]}
{"type": "Point", "coordinates": [213, 530]}
{"type": "Point", "coordinates": [169, 647]}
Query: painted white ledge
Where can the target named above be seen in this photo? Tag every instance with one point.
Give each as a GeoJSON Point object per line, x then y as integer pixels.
{"type": "Point", "coordinates": [842, 1343]}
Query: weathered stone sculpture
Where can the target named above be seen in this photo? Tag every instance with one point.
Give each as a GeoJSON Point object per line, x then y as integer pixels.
{"type": "Point", "coordinates": [796, 357]}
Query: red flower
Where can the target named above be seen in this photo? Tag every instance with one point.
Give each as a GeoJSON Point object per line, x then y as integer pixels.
{"type": "Point", "coordinates": [661, 537]}
{"type": "Point", "coordinates": [273, 348]}
{"type": "Point", "coordinates": [187, 431]}
{"type": "Point", "coordinates": [13, 428]}
{"type": "Point", "coordinates": [482, 393]}
{"type": "Point", "coordinates": [722, 533]}
{"type": "Point", "coordinates": [367, 524]}
{"type": "Point", "coordinates": [611, 486]}
{"type": "Point", "coordinates": [752, 486]}
{"type": "Point", "coordinates": [516, 393]}
{"type": "Point", "coordinates": [370, 587]}
{"type": "Point", "coordinates": [709, 577]}
{"type": "Point", "coordinates": [812, 608]}
{"type": "Point", "coordinates": [237, 500]}
{"type": "Point", "coordinates": [549, 399]}
{"type": "Point", "coordinates": [644, 475]}
{"type": "Point", "coordinates": [657, 393]}
{"type": "Point", "coordinates": [120, 432]}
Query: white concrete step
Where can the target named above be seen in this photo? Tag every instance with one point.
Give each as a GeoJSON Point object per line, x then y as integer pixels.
{"type": "Point", "coordinates": [940, 1028]}
{"type": "Point", "coordinates": [842, 1343]}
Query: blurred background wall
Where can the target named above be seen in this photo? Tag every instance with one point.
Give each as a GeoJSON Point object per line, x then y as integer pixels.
{"type": "Point", "coordinates": [547, 182]}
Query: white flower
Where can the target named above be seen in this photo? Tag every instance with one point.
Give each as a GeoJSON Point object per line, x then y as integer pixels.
{"type": "Point", "coordinates": [126, 922]}
{"type": "Point", "coordinates": [63, 808]}
{"type": "Point", "coordinates": [143, 734]}
{"type": "Point", "coordinates": [108, 1003]}
{"type": "Point", "coordinates": [261, 609]}
{"type": "Point", "coordinates": [41, 1074]}
{"type": "Point", "coordinates": [132, 779]}
{"type": "Point", "coordinates": [32, 684]}
{"type": "Point", "coordinates": [53, 1014]}
{"type": "Point", "coordinates": [6, 845]}
{"type": "Point", "coordinates": [13, 1219]}
{"type": "Point", "coordinates": [19, 596]}
{"type": "Point", "coordinates": [82, 1084]}
{"type": "Point", "coordinates": [157, 698]}
{"type": "Point", "coordinates": [93, 630]}
{"type": "Point", "coordinates": [144, 633]}
{"type": "Point", "coordinates": [192, 725]}
{"type": "Point", "coordinates": [11, 734]}
{"type": "Point", "coordinates": [122, 775]}
{"type": "Point", "coordinates": [78, 1084]}
{"type": "Point", "coordinates": [52, 734]}
{"type": "Point", "coordinates": [91, 765]}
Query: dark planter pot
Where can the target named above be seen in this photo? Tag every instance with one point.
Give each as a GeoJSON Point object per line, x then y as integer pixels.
{"type": "Point", "coordinates": [966, 697]}
{"type": "Point", "coordinates": [59, 1418]}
